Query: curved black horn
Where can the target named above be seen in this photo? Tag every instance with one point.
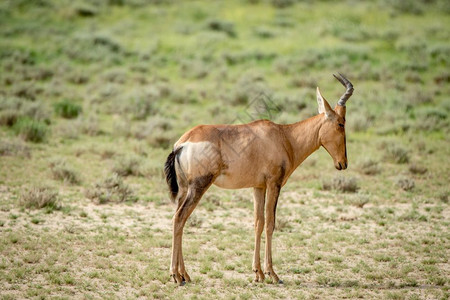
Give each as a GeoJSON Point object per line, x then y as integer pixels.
{"type": "Point", "coordinates": [348, 93]}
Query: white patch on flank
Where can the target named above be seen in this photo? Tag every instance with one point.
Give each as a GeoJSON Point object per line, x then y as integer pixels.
{"type": "Point", "coordinates": [199, 158]}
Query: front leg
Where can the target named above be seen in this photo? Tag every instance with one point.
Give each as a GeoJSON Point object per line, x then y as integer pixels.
{"type": "Point", "coordinates": [259, 198]}
{"type": "Point", "coordinates": [273, 192]}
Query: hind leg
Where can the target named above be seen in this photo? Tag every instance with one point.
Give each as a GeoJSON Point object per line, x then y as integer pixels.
{"type": "Point", "coordinates": [180, 200]}
{"type": "Point", "coordinates": [197, 188]}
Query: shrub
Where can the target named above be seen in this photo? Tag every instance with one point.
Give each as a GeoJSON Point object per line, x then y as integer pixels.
{"type": "Point", "coordinates": [13, 147]}
{"type": "Point", "coordinates": [282, 3]}
{"type": "Point", "coordinates": [358, 200]}
{"type": "Point", "coordinates": [369, 167]}
{"type": "Point", "coordinates": [117, 76]}
{"type": "Point", "coordinates": [233, 58]}
{"type": "Point", "coordinates": [61, 171]}
{"type": "Point", "coordinates": [39, 197]}
{"type": "Point", "coordinates": [77, 78]}
{"type": "Point", "coordinates": [26, 91]}
{"type": "Point", "coordinates": [111, 189]}
{"type": "Point", "coordinates": [194, 222]}
{"type": "Point", "coordinates": [68, 131]}
{"type": "Point", "coordinates": [160, 138]}
{"type": "Point", "coordinates": [249, 88]}
{"type": "Point", "coordinates": [360, 123]}
{"type": "Point", "coordinates": [85, 10]}
{"type": "Point", "coordinates": [418, 97]}
{"type": "Point", "coordinates": [9, 117]}
{"type": "Point", "coordinates": [304, 81]}
{"type": "Point", "coordinates": [342, 184]}
{"type": "Point", "coordinates": [264, 33]}
{"type": "Point", "coordinates": [221, 26]}
{"type": "Point", "coordinates": [396, 154]}
{"type": "Point", "coordinates": [442, 78]}
{"type": "Point", "coordinates": [89, 125]}
{"type": "Point", "coordinates": [413, 77]}
{"type": "Point", "coordinates": [417, 169]}
{"type": "Point", "coordinates": [440, 53]}
{"type": "Point", "coordinates": [128, 165]}
{"type": "Point", "coordinates": [12, 109]}
{"type": "Point", "coordinates": [350, 30]}
{"type": "Point", "coordinates": [157, 131]}
{"type": "Point", "coordinates": [405, 6]}
{"type": "Point", "coordinates": [405, 184]}
{"type": "Point", "coordinates": [67, 109]}
{"type": "Point", "coordinates": [141, 107]}
{"type": "Point", "coordinates": [194, 69]}
{"type": "Point", "coordinates": [31, 130]}
{"type": "Point", "coordinates": [431, 118]}
{"type": "Point", "coordinates": [107, 42]}
{"type": "Point", "coordinates": [290, 104]}
{"type": "Point", "coordinates": [443, 196]}
{"type": "Point", "coordinates": [94, 48]}
{"type": "Point", "coordinates": [283, 225]}
{"type": "Point", "coordinates": [284, 20]}
{"type": "Point", "coordinates": [37, 111]}
{"type": "Point", "coordinates": [182, 97]}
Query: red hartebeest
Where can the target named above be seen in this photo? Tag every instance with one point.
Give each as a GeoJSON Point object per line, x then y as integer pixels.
{"type": "Point", "coordinates": [259, 155]}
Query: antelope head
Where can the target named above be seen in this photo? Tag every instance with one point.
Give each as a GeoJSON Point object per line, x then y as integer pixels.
{"type": "Point", "coordinates": [332, 132]}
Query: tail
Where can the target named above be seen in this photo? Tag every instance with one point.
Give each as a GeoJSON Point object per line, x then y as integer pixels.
{"type": "Point", "coordinates": [171, 174]}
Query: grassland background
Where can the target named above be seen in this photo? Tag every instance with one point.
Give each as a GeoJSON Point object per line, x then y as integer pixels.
{"type": "Point", "coordinates": [89, 89]}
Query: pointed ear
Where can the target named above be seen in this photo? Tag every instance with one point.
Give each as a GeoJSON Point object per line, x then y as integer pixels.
{"type": "Point", "coordinates": [324, 107]}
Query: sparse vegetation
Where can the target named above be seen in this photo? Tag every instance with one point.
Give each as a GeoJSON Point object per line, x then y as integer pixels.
{"type": "Point", "coordinates": [129, 165]}
{"type": "Point", "coordinates": [342, 184]}
{"type": "Point", "coordinates": [14, 147]}
{"type": "Point", "coordinates": [111, 189]}
{"type": "Point", "coordinates": [370, 167]}
{"type": "Point", "coordinates": [67, 109]}
{"type": "Point", "coordinates": [417, 169]}
{"type": "Point", "coordinates": [396, 154]}
{"type": "Point", "coordinates": [31, 130]}
{"type": "Point", "coordinates": [405, 183]}
{"type": "Point", "coordinates": [90, 88]}
{"type": "Point", "coordinates": [64, 172]}
{"type": "Point", "coordinates": [39, 197]}
{"type": "Point", "coordinates": [221, 26]}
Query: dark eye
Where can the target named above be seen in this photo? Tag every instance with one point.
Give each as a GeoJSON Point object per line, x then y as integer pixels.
{"type": "Point", "coordinates": [341, 125]}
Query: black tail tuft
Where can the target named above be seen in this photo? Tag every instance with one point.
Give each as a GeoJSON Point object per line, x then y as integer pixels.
{"type": "Point", "coordinates": [170, 173]}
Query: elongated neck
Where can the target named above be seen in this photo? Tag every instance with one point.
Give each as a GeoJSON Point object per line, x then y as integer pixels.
{"type": "Point", "coordinates": [304, 137]}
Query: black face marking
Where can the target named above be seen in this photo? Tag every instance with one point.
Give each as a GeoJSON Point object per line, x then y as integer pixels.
{"type": "Point", "coordinates": [345, 145]}
{"type": "Point", "coordinates": [341, 125]}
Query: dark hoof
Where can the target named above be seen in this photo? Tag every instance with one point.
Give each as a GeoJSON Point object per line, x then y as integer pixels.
{"type": "Point", "coordinates": [280, 281]}
{"type": "Point", "coordinates": [183, 283]}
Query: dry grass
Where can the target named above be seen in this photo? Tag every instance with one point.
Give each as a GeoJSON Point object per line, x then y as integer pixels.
{"type": "Point", "coordinates": [110, 189]}
{"type": "Point", "coordinates": [341, 184]}
{"type": "Point", "coordinates": [405, 183]}
{"type": "Point", "coordinates": [64, 172]}
{"type": "Point", "coordinates": [317, 252]}
{"type": "Point", "coordinates": [39, 197]}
